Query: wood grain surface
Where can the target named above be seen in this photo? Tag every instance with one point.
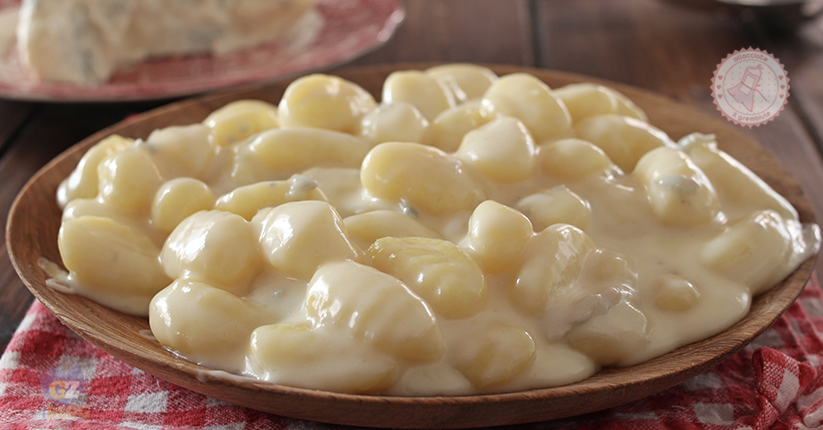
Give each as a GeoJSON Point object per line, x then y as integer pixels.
{"type": "Point", "coordinates": [32, 234]}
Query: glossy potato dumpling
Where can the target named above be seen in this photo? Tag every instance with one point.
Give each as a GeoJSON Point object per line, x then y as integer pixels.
{"type": "Point", "coordinates": [214, 246]}
{"type": "Point", "coordinates": [182, 150]}
{"type": "Point", "coordinates": [495, 355]}
{"type": "Point", "coordinates": [287, 151]}
{"type": "Point", "coordinates": [554, 261]}
{"type": "Point", "coordinates": [82, 182]}
{"type": "Point", "coordinates": [557, 205]}
{"type": "Point", "coordinates": [128, 179]}
{"type": "Point", "coordinates": [585, 100]}
{"type": "Point", "coordinates": [247, 200]}
{"type": "Point", "coordinates": [429, 95]}
{"type": "Point", "coordinates": [572, 159]}
{"type": "Point", "coordinates": [446, 132]}
{"type": "Point", "coordinates": [376, 307]}
{"type": "Point", "coordinates": [324, 102]}
{"type": "Point", "coordinates": [623, 139]}
{"type": "Point", "coordinates": [397, 122]}
{"type": "Point", "coordinates": [133, 272]}
{"type": "Point", "coordinates": [175, 200]}
{"type": "Point", "coordinates": [370, 226]}
{"type": "Point", "coordinates": [437, 270]}
{"type": "Point", "coordinates": [425, 177]}
{"type": "Point", "coordinates": [497, 236]}
{"type": "Point", "coordinates": [299, 355]}
{"type": "Point", "coordinates": [238, 120]}
{"type": "Point", "coordinates": [466, 81]}
{"type": "Point", "coordinates": [190, 317]}
{"type": "Point", "coordinates": [531, 101]}
{"type": "Point", "coordinates": [679, 193]}
{"type": "Point", "coordinates": [502, 150]}
{"type": "Point", "coordinates": [299, 237]}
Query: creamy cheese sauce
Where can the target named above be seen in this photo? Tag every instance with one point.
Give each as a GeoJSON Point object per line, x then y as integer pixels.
{"type": "Point", "coordinates": [317, 244]}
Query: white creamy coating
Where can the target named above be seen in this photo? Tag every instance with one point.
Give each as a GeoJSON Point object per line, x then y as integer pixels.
{"type": "Point", "coordinates": [296, 245]}
{"type": "Point", "coordinates": [85, 41]}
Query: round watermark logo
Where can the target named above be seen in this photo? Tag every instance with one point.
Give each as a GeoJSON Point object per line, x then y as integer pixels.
{"type": "Point", "coordinates": [750, 87]}
{"type": "Point", "coordinates": [64, 387]}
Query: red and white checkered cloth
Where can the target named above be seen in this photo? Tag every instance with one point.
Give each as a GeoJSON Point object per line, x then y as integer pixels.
{"type": "Point", "coordinates": [52, 379]}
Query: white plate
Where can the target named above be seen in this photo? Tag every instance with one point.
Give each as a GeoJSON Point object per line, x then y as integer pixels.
{"type": "Point", "coordinates": [340, 31]}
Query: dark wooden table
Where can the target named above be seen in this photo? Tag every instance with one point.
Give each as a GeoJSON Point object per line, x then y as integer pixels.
{"type": "Point", "coordinates": [659, 46]}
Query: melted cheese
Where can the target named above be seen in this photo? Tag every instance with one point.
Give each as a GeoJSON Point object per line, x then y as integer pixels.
{"type": "Point", "coordinates": [85, 41]}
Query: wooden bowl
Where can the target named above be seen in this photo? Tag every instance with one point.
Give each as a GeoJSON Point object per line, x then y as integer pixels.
{"type": "Point", "coordinates": [35, 219]}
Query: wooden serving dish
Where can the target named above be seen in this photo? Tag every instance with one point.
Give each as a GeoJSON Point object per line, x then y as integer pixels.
{"type": "Point", "coordinates": [34, 221]}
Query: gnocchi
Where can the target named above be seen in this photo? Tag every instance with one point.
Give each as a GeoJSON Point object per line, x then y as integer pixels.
{"type": "Point", "coordinates": [298, 237]}
{"type": "Point", "coordinates": [624, 139]}
{"type": "Point", "coordinates": [439, 271]}
{"type": "Point", "coordinates": [238, 120]}
{"type": "Point", "coordinates": [424, 177]}
{"type": "Point", "coordinates": [324, 102]}
{"type": "Point", "coordinates": [376, 307]}
{"type": "Point", "coordinates": [177, 199]}
{"type": "Point", "coordinates": [127, 180]}
{"type": "Point", "coordinates": [493, 355]}
{"type": "Point", "coordinates": [530, 100]}
{"type": "Point", "coordinates": [502, 150]}
{"type": "Point", "coordinates": [679, 192]}
{"type": "Point", "coordinates": [133, 275]}
{"type": "Point", "coordinates": [226, 254]}
{"type": "Point", "coordinates": [425, 92]}
{"type": "Point", "coordinates": [397, 122]}
{"type": "Point", "coordinates": [555, 206]}
{"type": "Point", "coordinates": [204, 336]}
{"type": "Point", "coordinates": [497, 236]}
{"type": "Point", "coordinates": [447, 130]}
{"type": "Point", "coordinates": [468, 234]}
{"type": "Point", "coordinates": [466, 81]}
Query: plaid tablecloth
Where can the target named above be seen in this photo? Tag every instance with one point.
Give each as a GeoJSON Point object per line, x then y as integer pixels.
{"type": "Point", "coordinates": [52, 379]}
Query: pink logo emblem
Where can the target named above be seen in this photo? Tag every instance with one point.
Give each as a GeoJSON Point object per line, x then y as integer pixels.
{"type": "Point", "coordinates": [750, 87]}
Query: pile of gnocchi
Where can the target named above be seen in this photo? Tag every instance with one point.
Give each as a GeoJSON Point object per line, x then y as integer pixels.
{"type": "Point", "coordinates": [468, 234]}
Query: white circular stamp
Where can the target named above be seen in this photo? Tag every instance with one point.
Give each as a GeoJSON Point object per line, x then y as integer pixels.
{"type": "Point", "coordinates": [750, 87]}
